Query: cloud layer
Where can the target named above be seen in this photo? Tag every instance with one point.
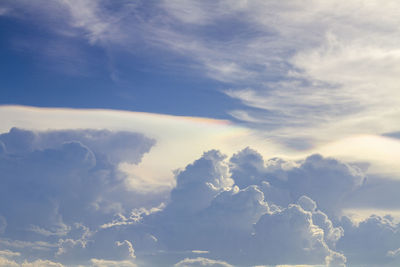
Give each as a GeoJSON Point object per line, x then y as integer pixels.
{"type": "Point", "coordinates": [67, 204]}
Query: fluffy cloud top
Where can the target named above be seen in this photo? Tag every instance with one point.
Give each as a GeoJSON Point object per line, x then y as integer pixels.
{"type": "Point", "coordinates": [283, 182]}
{"type": "Point", "coordinates": [244, 226]}
{"type": "Point", "coordinates": [116, 146]}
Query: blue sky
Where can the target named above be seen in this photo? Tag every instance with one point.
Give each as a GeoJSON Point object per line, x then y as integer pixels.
{"type": "Point", "coordinates": [199, 133]}
{"type": "Point", "coordinates": [72, 72]}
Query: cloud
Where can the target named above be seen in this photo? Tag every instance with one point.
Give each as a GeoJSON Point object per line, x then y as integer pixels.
{"type": "Point", "coordinates": [128, 244]}
{"type": "Point", "coordinates": [9, 253]}
{"type": "Point", "coordinates": [326, 180]}
{"type": "Point", "coordinates": [243, 225]}
{"type": "Point", "coordinates": [108, 263]}
{"type": "Point", "coordinates": [379, 153]}
{"type": "Point", "coordinates": [243, 210]}
{"type": "Point", "coordinates": [289, 236]}
{"type": "Point", "coordinates": [41, 263]}
{"type": "Point", "coordinates": [374, 240]}
{"type": "Point", "coordinates": [116, 146]}
{"type": "Point", "coordinates": [67, 184]}
{"type": "Point", "coordinates": [307, 71]}
{"type": "Point", "coordinates": [201, 262]}
{"type": "Point", "coordinates": [191, 136]}
{"type": "Point", "coordinates": [200, 182]}
{"type": "Point", "coordinates": [305, 65]}
{"type": "Point", "coordinates": [4, 262]}
{"type": "Point", "coordinates": [7, 262]}
{"type": "Point", "coordinates": [83, 174]}
{"type": "Point", "coordinates": [249, 226]}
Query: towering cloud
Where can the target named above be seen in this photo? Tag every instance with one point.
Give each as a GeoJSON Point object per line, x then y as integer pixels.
{"type": "Point", "coordinates": [326, 180]}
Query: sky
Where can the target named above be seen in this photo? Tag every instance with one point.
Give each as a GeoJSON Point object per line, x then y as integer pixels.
{"type": "Point", "coordinates": [199, 133]}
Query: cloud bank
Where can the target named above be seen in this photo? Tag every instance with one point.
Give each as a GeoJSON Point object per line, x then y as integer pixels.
{"type": "Point", "coordinates": [65, 203]}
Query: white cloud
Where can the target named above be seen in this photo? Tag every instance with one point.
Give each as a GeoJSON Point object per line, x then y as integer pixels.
{"type": "Point", "coordinates": [9, 253]}
{"type": "Point", "coordinates": [201, 262]}
{"type": "Point", "coordinates": [312, 68]}
{"type": "Point", "coordinates": [326, 180]}
{"type": "Point", "coordinates": [115, 146]}
{"type": "Point", "coordinates": [331, 234]}
{"type": "Point", "coordinates": [309, 72]}
{"type": "Point", "coordinates": [316, 75]}
{"type": "Point", "coordinates": [4, 262]}
{"type": "Point", "coordinates": [282, 211]}
{"type": "Point", "coordinates": [60, 191]}
{"type": "Point", "coordinates": [128, 244]}
{"type": "Point", "coordinates": [191, 136]}
{"type": "Point", "coordinates": [291, 236]}
{"type": "Point", "coordinates": [63, 171]}
{"type": "Point", "coordinates": [41, 263]}
{"type": "Point", "coordinates": [381, 153]}
{"type": "Point", "coordinates": [238, 224]}
{"type": "Point", "coordinates": [200, 182]}
{"type": "Point", "coordinates": [374, 240]}
{"type": "Point", "coordinates": [108, 263]}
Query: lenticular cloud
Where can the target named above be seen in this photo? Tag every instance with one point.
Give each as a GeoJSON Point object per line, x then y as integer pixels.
{"type": "Point", "coordinates": [64, 202]}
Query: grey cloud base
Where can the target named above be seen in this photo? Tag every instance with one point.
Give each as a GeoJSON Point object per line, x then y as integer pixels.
{"type": "Point", "coordinates": [63, 201]}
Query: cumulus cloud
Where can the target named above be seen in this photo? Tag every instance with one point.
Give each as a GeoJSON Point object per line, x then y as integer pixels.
{"type": "Point", "coordinates": [8, 262]}
{"type": "Point", "coordinates": [306, 71]}
{"type": "Point", "coordinates": [243, 210]}
{"type": "Point", "coordinates": [290, 236]}
{"type": "Point", "coordinates": [249, 225]}
{"type": "Point", "coordinates": [331, 234]}
{"type": "Point", "coordinates": [326, 180]}
{"type": "Point", "coordinates": [202, 181]}
{"type": "Point", "coordinates": [244, 225]}
{"type": "Point", "coordinates": [61, 186]}
{"type": "Point", "coordinates": [115, 146]}
{"type": "Point", "coordinates": [374, 240]}
{"type": "Point", "coordinates": [4, 262]}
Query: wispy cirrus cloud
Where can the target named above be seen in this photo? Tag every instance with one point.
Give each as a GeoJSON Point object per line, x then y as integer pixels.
{"type": "Point", "coordinates": [299, 65]}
